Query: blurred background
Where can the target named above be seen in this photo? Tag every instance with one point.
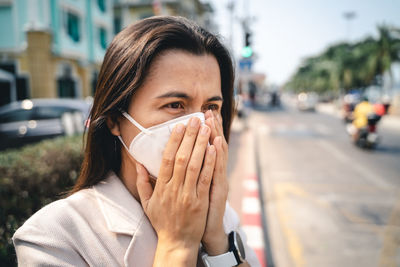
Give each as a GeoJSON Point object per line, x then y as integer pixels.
{"type": "Point", "coordinates": [314, 165]}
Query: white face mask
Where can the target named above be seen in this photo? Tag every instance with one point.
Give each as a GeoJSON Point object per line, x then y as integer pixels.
{"type": "Point", "coordinates": [148, 146]}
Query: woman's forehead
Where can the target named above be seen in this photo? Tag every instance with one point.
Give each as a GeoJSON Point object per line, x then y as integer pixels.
{"type": "Point", "coordinates": [179, 72]}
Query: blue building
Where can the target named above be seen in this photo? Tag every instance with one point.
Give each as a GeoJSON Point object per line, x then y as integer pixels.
{"type": "Point", "coordinates": [52, 48]}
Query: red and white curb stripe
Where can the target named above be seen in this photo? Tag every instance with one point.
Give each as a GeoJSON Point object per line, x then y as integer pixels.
{"type": "Point", "coordinates": [251, 217]}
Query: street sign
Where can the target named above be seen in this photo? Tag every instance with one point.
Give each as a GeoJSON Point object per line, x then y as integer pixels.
{"type": "Point", "coordinates": [245, 64]}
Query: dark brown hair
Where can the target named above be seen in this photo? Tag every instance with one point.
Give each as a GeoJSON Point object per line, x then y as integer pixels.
{"type": "Point", "coordinates": [123, 71]}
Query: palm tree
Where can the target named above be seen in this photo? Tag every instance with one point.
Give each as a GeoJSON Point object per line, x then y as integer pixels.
{"type": "Point", "coordinates": [350, 66]}
{"type": "Point", "coordinates": [385, 52]}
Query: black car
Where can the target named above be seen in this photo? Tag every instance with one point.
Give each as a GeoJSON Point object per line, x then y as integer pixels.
{"type": "Point", "coordinates": [32, 120]}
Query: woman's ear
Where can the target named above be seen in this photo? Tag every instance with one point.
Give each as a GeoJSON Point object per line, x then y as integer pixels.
{"type": "Point", "coordinates": [113, 125]}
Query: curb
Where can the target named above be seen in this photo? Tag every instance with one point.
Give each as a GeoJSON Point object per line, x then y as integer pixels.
{"type": "Point", "coordinates": [252, 217]}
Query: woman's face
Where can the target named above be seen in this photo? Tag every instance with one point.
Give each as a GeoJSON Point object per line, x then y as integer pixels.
{"type": "Point", "coordinates": [178, 83]}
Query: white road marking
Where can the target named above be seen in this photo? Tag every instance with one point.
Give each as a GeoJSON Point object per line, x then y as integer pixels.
{"type": "Point", "coordinates": [373, 178]}
{"type": "Point", "coordinates": [251, 205]}
{"type": "Point", "coordinates": [254, 236]}
{"type": "Point", "coordinates": [362, 170]}
{"type": "Point", "coordinates": [250, 185]}
{"type": "Point", "coordinates": [339, 155]}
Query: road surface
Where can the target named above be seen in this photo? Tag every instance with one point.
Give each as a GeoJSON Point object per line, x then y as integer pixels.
{"type": "Point", "coordinates": [326, 202]}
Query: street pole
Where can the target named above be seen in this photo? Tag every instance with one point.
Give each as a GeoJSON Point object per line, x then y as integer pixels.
{"type": "Point", "coordinates": [231, 9]}
{"type": "Point", "coordinates": [349, 16]}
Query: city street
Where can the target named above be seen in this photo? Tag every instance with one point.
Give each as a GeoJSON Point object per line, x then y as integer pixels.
{"type": "Point", "coordinates": [326, 202]}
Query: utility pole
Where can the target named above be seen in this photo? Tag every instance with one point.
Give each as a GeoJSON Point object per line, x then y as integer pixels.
{"type": "Point", "coordinates": [231, 8]}
{"type": "Point", "coordinates": [349, 16]}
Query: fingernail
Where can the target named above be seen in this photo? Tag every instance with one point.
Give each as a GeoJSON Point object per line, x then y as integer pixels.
{"type": "Point", "coordinates": [194, 122]}
{"type": "Point", "coordinates": [179, 128]}
{"type": "Point", "coordinates": [211, 149]}
{"type": "Point", "coordinates": [204, 129]}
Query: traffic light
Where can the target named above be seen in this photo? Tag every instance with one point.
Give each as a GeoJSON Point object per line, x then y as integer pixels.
{"type": "Point", "coordinates": [247, 51]}
{"type": "Point", "coordinates": [247, 39]}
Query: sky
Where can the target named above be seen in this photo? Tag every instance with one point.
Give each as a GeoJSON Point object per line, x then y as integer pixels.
{"type": "Point", "coordinates": [287, 31]}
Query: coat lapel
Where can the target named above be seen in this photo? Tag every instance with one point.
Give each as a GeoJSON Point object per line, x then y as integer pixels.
{"type": "Point", "coordinates": [124, 215]}
{"type": "Point", "coordinates": [122, 212]}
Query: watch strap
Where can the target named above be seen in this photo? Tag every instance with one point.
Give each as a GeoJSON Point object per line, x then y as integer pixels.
{"type": "Point", "coordinates": [223, 260]}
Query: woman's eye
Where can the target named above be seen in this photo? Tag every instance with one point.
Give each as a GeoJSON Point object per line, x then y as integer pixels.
{"type": "Point", "coordinates": [212, 107]}
{"type": "Point", "coordinates": [174, 105]}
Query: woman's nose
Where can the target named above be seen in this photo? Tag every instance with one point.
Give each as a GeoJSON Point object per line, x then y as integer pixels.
{"type": "Point", "coordinates": [197, 109]}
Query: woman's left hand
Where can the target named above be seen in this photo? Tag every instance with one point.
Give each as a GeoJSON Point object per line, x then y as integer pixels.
{"type": "Point", "coordinates": [214, 240]}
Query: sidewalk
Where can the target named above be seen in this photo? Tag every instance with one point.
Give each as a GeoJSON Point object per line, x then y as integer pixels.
{"type": "Point", "coordinates": [244, 187]}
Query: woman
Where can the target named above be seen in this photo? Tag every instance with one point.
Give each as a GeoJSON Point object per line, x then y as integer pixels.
{"type": "Point", "coordinates": [155, 71]}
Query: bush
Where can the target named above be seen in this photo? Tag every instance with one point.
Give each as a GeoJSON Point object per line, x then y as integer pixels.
{"type": "Point", "coordinates": [30, 178]}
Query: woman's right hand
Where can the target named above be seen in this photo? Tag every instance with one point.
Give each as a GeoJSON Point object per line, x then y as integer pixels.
{"type": "Point", "coordinates": [177, 206]}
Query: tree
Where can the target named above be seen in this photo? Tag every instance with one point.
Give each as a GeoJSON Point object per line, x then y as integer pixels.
{"type": "Point", "coordinates": [348, 66]}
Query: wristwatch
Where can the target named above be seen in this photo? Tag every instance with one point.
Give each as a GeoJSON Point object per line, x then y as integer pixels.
{"type": "Point", "coordinates": [235, 256]}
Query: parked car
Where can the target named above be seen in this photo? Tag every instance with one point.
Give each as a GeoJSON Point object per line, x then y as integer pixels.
{"type": "Point", "coordinates": [33, 120]}
{"type": "Point", "coordinates": [307, 101]}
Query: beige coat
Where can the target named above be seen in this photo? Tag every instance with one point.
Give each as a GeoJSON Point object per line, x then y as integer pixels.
{"type": "Point", "coordinates": [100, 226]}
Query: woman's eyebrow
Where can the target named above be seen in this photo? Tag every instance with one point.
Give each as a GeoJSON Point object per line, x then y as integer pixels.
{"type": "Point", "coordinates": [174, 94]}
{"type": "Point", "coordinates": [186, 96]}
{"type": "Point", "coordinates": [215, 98]}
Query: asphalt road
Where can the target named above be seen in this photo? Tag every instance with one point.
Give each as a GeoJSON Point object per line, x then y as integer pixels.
{"type": "Point", "coordinates": [328, 203]}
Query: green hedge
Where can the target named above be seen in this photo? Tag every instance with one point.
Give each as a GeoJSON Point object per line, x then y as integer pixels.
{"type": "Point", "coordinates": [30, 178]}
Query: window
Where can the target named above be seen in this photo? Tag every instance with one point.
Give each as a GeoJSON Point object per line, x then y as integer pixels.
{"type": "Point", "coordinates": [66, 87]}
{"type": "Point", "coordinates": [117, 24]}
{"type": "Point", "coordinates": [94, 81]}
{"type": "Point", "coordinates": [73, 27]}
{"type": "Point", "coordinates": [66, 83]}
{"type": "Point", "coordinates": [102, 5]}
{"type": "Point", "coordinates": [103, 38]}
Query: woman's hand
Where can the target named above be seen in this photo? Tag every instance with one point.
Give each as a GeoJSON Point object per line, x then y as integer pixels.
{"type": "Point", "coordinates": [214, 239]}
{"type": "Point", "coordinates": [177, 207]}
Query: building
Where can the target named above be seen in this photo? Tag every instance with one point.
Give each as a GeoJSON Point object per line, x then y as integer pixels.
{"type": "Point", "coordinates": [52, 48]}
{"type": "Point", "coordinates": [129, 11]}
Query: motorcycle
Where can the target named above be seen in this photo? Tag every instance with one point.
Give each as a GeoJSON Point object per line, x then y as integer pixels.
{"type": "Point", "coordinates": [367, 137]}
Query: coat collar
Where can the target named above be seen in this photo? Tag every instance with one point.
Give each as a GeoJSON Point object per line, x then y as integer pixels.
{"type": "Point", "coordinates": [122, 212]}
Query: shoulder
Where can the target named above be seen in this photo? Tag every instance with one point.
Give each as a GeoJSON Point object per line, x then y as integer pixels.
{"type": "Point", "coordinates": [47, 236]}
{"type": "Point", "coordinates": [60, 214]}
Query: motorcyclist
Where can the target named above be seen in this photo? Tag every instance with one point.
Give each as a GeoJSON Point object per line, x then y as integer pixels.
{"type": "Point", "coordinates": [360, 114]}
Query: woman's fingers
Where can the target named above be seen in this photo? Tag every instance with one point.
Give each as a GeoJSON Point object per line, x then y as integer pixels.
{"type": "Point", "coordinates": [168, 160]}
{"type": "Point", "coordinates": [204, 181]}
{"type": "Point", "coordinates": [144, 187]}
{"type": "Point", "coordinates": [185, 151]}
{"type": "Point", "coordinates": [220, 160]}
{"type": "Point", "coordinates": [196, 159]}
{"type": "Point", "coordinates": [210, 122]}
{"type": "Point", "coordinates": [214, 121]}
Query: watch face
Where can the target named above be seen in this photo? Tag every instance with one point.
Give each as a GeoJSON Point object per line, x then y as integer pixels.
{"type": "Point", "coordinates": [239, 246]}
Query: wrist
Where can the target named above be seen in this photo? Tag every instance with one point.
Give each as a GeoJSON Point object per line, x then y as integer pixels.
{"type": "Point", "coordinates": [219, 244]}
{"type": "Point", "coordinates": [180, 253]}
{"type": "Point", "coordinates": [235, 256]}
